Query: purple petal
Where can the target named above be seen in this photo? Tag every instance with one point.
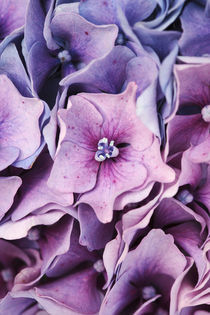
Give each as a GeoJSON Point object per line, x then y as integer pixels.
{"type": "Point", "coordinates": [195, 40]}
{"type": "Point", "coordinates": [8, 189]}
{"type": "Point", "coordinates": [89, 41]}
{"type": "Point", "coordinates": [69, 290]}
{"type": "Point", "coordinates": [19, 119]}
{"type": "Point", "coordinates": [94, 234]}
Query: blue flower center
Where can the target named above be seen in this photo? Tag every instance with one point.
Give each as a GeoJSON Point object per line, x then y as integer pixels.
{"type": "Point", "coordinates": [106, 150]}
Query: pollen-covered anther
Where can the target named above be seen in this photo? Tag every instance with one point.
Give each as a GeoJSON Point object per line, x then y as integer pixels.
{"type": "Point", "coordinates": [205, 112]}
{"type": "Point", "coordinates": [64, 56]}
{"type": "Point", "coordinates": [106, 150]}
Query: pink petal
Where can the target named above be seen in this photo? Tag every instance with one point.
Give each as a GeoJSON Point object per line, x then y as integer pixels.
{"type": "Point", "coordinates": [69, 172]}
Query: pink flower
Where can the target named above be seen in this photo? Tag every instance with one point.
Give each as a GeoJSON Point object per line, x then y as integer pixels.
{"type": "Point", "coordinates": [105, 150]}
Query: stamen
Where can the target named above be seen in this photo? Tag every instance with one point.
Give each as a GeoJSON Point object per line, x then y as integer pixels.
{"type": "Point", "coordinates": [64, 56]}
{"type": "Point", "coordinates": [7, 274]}
{"type": "Point", "coordinates": [100, 157]}
{"type": "Point", "coordinates": [148, 292]}
{"type": "Point", "coordinates": [106, 150]}
{"type": "Point", "coordinates": [33, 234]}
{"type": "Point", "coordinates": [185, 196]}
{"type": "Point", "coordinates": [103, 140]}
{"type": "Point", "coordinates": [99, 266]}
{"type": "Point", "coordinates": [205, 112]}
{"type": "Point", "coordinates": [121, 40]}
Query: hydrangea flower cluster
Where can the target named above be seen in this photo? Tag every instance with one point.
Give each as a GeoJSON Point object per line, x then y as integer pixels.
{"type": "Point", "coordinates": [104, 157]}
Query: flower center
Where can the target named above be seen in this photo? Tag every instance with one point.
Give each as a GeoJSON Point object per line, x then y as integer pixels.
{"type": "Point", "coordinates": [205, 112]}
{"type": "Point", "coordinates": [106, 150]}
{"type": "Point", "coordinates": [185, 196]}
{"type": "Point", "coordinates": [64, 56]}
{"type": "Point", "coordinates": [33, 234]}
{"type": "Point", "coordinates": [7, 274]}
{"type": "Point", "coordinates": [120, 40]}
{"type": "Point", "coordinates": [99, 266]}
{"type": "Point", "coordinates": [148, 292]}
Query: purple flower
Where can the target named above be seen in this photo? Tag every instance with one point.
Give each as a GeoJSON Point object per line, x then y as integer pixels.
{"type": "Point", "coordinates": [141, 26]}
{"type": "Point", "coordinates": [191, 124]}
{"type": "Point", "coordinates": [71, 272]}
{"type": "Point", "coordinates": [54, 49]}
{"type": "Point", "coordinates": [110, 141]}
{"type": "Point", "coordinates": [145, 278]}
{"type": "Point", "coordinates": [18, 267]}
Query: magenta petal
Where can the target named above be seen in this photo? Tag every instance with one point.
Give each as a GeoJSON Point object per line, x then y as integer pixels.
{"type": "Point", "coordinates": [69, 172]}
{"type": "Point", "coordinates": [121, 122]}
{"type": "Point", "coordinates": [35, 193]}
{"type": "Point", "coordinates": [81, 123]}
{"type": "Point", "coordinates": [158, 170]}
{"type": "Point", "coordinates": [190, 172]}
{"type": "Point", "coordinates": [114, 178]}
{"type": "Point", "coordinates": [79, 135]}
{"type": "Point", "coordinates": [201, 152]}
